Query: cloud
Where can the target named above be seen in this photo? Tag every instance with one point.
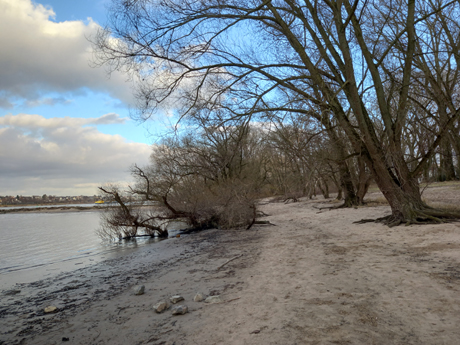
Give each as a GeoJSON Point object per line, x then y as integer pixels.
{"type": "Point", "coordinates": [39, 55]}
{"type": "Point", "coordinates": [38, 122]}
{"type": "Point", "coordinates": [48, 101]}
{"type": "Point", "coordinates": [42, 155]}
{"type": "Point", "coordinates": [108, 119]}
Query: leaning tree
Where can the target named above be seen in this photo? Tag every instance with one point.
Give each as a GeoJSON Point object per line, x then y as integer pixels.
{"type": "Point", "coordinates": [349, 65]}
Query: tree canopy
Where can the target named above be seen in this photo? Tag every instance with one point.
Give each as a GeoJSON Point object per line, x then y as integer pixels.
{"type": "Point", "coordinates": [377, 76]}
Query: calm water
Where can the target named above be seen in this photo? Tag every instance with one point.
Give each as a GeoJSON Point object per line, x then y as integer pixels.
{"type": "Point", "coordinates": [39, 245]}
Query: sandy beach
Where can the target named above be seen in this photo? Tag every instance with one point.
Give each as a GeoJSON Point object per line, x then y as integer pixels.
{"type": "Point", "coordinates": [311, 277]}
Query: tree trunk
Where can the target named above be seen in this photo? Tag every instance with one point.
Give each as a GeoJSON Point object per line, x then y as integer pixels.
{"type": "Point", "coordinates": [337, 186]}
{"type": "Point", "coordinates": [346, 182]}
{"type": "Point", "coordinates": [446, 166]}
{"type": "Point", "coordinates": [406, 202]}
{"type": "Point", "coordinates": [364, 180]}
{"type": "Point", "coordinates": [324, 188]}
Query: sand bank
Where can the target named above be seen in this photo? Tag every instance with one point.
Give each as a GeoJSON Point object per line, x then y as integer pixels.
{"type": "Point", "coordinates": [312, 278]}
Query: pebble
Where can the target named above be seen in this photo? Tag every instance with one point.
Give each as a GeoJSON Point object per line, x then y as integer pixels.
{"type": "Point", "coordinates": [139, 290]}
{"type": "Point", "coordinates": [160, 307]}
{"type": "Point", "coordinates": [50, 309]}
{"type": "Point", "coordinates": [213, 299]}
{"type": "Point", "coordinates": [176, 298]}
{"type": "Point", "coordinates": [180, 310]}
{"type": "Point", "coordinates": [199, 297]}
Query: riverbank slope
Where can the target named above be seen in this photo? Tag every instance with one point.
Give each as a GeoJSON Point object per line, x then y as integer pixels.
{"type": "Point", "coordinates": [313, 277]}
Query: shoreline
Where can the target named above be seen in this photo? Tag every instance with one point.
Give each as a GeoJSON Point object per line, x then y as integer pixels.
{"type": "Point", "coordinates": [50, 209]}
{"type": "Point", "coordinates": [311, 277]}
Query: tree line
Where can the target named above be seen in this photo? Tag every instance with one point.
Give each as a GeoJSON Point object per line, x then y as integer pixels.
{"type": "Point", "coordinates": [370, 85]}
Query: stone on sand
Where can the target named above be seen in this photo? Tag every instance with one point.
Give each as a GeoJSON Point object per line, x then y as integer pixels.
{"type": "Point", "coordinates": [199, 297]}
{"type": "Point", "coordinates": [139, 290]}
{"type": "Point", "coordinates": [50, 309]}
{"type": "Point", "coordinates": [176, 298]}
{"type": "Point", "coordinates": [160, 307]}
{"type": "Point", "coordinates": [213, 299]}
{"type": "Point", "coordinates": [180, 310]}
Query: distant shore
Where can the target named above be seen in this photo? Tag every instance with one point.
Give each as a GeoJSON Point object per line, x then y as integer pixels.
{"type": "Point", "coordinates": [49, 209]}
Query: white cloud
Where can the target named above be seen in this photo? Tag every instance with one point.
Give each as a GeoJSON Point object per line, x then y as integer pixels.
{"type": "Point", "coordinates": [39, 122]}
{"type": "Point", "coordinates": [39, 56]}
{"type": "Point", "coordinates": [48, 101]}
{"type": "Point", "coordinates": [69, 155]}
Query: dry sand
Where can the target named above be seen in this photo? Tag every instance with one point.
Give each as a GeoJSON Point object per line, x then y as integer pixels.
{"type": "Point", "coordinates": [313, 277]}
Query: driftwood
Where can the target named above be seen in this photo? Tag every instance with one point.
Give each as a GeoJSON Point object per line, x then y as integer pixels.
{"type": "Point", "coordinates": [226, 262]}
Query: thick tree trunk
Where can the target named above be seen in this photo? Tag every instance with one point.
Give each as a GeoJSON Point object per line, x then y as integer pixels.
{"type": "Point", "coordinates": [339, 193]}
{"type": "Point", "coordinates": [455, 141]}
{"type": "Point", "coordinates": [446, 168]}
{"type": "Point", "coordinates": [346, 182]}
{"type": "Point", "coordinates": [406, 202]}
{"type": "Point", "coordinates": [337, 186]}
{"type": "Point", "coordinates": [364, 180]}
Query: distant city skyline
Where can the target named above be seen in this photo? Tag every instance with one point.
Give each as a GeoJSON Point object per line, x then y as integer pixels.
{"type": "Point", "coordinates": [64, 126]}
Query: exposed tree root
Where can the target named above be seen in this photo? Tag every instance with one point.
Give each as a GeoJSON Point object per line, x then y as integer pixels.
{"type": "Point", "coordinates": [345, 205]}
{"type": "Point", "coordinates": [337, 207]}
{"type": "Point", "coordinates": [427, 215]}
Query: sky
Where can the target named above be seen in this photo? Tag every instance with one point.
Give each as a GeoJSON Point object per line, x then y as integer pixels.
{"type": "Point", "coordinates": [64, 126]}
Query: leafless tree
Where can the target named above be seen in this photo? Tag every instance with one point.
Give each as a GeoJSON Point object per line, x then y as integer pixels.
{"type": "Point", "coordinates": [126, 221]}
{"type": "Point", "coordinates": [207, 178]}
{"type": "Point", "coordinates": [326, 59]}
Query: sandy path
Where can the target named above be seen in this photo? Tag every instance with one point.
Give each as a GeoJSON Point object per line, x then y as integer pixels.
{"type": "Point", "coordinates": [314, 278]}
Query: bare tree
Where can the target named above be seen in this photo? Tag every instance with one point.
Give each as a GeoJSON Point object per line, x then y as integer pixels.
{"type": "Point", "coordinates": [326, 59]}
{"type": "Point", "coordinates": [124, 222]}
{"type": "Point", "coordinates": [208, 178]}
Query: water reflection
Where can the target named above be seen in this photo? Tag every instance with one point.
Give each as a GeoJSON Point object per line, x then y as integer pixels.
{"type": "Point", "coordinates": [50, 242]}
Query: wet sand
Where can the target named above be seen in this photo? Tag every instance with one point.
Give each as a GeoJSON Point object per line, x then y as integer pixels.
{"type": "Point", "coordinates": [313, 277]}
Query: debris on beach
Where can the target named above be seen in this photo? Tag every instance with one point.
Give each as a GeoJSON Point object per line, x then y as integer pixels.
{"type": "Point", "coordinates": [199, 297]}
{"type": "Point", "coordinates": [213, 299]}
{"type": "Point", "coordinates": [139, 290]}
{"type": "Point", "coordinates": [180, 310]}
{"type": "Point", "coordinates": [160, 307]}
{"type": "Point", "coordinates": [176, 298]}
{"type": "Point", "coordinates": [50, 309]}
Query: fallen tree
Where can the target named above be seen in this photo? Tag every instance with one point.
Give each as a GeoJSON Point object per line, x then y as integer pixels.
{"type": "Point", "coordinates": [203, 184]}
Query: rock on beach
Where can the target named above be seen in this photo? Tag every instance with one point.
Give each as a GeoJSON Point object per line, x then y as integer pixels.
{"type": "Point", "coordinates": [199, 297]}
{"type": "Point", "coordinates": [180, 310]}
{"type": "Point", "coordinates": [175, 299]}
{"type": "Point", "coordinates": [213, 299]}
{"type": "Point", "coordinates": [139, 290]}
{"type": "Point", "coordinates": [50, 309]}
{"type": "Point", "coordinates": [160, 307]}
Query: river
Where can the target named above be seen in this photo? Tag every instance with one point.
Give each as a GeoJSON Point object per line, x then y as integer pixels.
{"type": "Point", "coordinates": [34, 246]}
